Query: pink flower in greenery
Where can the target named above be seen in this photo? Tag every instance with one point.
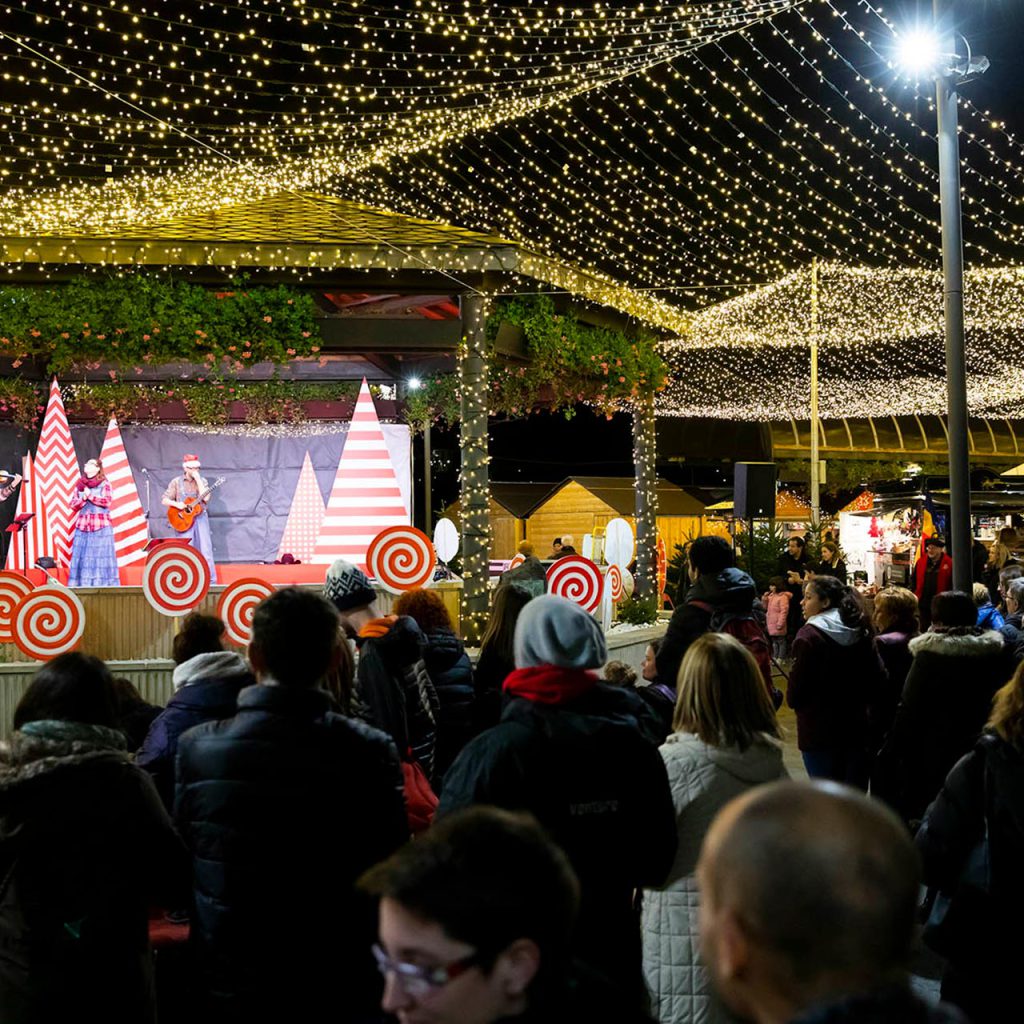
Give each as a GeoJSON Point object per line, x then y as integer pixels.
{"type": "Point", "coordinates": [268, 319]}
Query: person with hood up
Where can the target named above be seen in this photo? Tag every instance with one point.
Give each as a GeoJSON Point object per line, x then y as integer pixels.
{"type": "Point", "coordinates": [836, 677]}
{"type": "Point", "coordinates": [391, 678]}
{"type": "Point", "coordinates": [956, 671]}
{"type": "Point", "coordinates": [718, 589]}
{"type": "Point", "coordinates": [570, 750]}
{"type": "Point", "coordinates": [726, 740]}
{"type": "Point", "coordinates": [207, 681]}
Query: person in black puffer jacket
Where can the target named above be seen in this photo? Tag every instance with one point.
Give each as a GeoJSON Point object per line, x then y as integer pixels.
{"type": "Point", "coordinates": [450, 671]}
{"type": "Point", "coordinates": [284, 806]}
{"type": "Point", "coordinates": [391, 678]}
{"type": "Point", "coordinates": [983, 794]}
{"type": "Point", "coordinates": [718, 587]}
{"type": "Point", "coordinates": [569, 749]}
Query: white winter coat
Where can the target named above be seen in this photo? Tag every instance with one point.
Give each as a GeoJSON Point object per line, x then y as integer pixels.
{"type": "Point", "coordinates": [703, 780]}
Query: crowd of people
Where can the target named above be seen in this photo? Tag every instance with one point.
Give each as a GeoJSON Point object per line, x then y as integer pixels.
{"type": "Point", "coordinates": [354, 823]}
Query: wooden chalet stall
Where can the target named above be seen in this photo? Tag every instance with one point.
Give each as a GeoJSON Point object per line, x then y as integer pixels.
{"type": "Point", "coordinates": [509, 509]}
{"type": "Point", "coordinates": [586, 504]}
{"type": "Point", "coordinates": [580, 505]}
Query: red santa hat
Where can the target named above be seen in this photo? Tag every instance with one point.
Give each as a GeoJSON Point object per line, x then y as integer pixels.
{"type": "Point", "coordinates": [190, 461]}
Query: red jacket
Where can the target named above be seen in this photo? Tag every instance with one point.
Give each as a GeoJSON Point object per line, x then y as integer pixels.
{"type": "Point", "coordinates": [945, 576]}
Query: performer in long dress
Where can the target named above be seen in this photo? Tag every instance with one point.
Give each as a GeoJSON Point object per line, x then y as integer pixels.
{"type": "Point", "coordinates": [8, 484]}
{"type": "Point", "coordinates": [188, 486]}
{"type": "Point", "coordinates": [93, 559]}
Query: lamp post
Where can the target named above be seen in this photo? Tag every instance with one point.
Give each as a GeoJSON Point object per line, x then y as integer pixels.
{"type": "Point", "coordinates": [937, 52]}
{"type": "Point", "coordinates": [946, 100]}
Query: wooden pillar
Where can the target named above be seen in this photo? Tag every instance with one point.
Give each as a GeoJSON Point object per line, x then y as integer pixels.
{"type": "Point", "coordinates": [645, 461]}
{"type": "Point", "coordinates": [474, 485]}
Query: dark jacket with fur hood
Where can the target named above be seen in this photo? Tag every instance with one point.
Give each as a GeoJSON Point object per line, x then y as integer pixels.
{"type": "Point", "coordinates": [945, 703]}
{"type": "Point", "coordinates": [85, 848]}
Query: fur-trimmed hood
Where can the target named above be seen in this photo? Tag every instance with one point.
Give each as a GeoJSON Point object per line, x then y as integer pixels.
{"type": "Point", "coordinates": [41, 748]}
{"type": "Point", "coordinates": [966, 644]}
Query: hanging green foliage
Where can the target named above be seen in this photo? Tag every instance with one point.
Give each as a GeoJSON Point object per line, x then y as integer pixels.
{"type": "Point", "coordinates": [136, 320]}
{"type": "Point", "coordinates": [571, 363]}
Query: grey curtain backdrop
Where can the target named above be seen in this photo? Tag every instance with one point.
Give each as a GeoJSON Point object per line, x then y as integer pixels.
{"type": "Point", "coordinates": [249, 511]}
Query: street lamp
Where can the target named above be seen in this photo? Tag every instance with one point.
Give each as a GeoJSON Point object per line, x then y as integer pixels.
{"type": "Point", "coordinates": [934, 54]}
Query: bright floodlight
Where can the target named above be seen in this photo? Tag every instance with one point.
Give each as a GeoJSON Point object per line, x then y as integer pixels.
{"type": "Point", "coordinates": [919, 52]}
{"type": "Point", "coordinates": [414, 383]}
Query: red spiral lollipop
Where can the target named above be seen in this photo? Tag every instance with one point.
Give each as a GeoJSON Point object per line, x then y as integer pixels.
{"type": "Point", "coordinates": [175, 579]}
{"type": "Point", "coordinates": [578, 579]}
{"type": "Point", "coordinates": [48, 622]}
{"type": "Point", "coordinates": [401, 558]}
{"type": "Point", "coordinates": [13, 587]}
{"type": "Point", "coordinates": [615, 584]}
{"type": "Point", "coordinates": [517, 560]}
{"type": "Point", "coordinates": [237, 604]}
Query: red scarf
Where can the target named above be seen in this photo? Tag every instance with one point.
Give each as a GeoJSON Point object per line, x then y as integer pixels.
{"type": "Point", "coordinates": [549, 684]}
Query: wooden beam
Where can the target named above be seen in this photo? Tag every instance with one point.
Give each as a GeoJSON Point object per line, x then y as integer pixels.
{"type": "Point", "coordinates": [384, 334]}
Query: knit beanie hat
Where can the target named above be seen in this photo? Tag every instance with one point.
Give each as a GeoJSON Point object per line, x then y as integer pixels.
{"type": "Point", "coordinates": [347, 587]}
{"type": "Point", "coordinates": [552, 630]}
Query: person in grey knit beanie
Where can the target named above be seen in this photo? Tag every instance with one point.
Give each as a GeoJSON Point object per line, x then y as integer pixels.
{"type": "Point", "coordinates": [555, 631]}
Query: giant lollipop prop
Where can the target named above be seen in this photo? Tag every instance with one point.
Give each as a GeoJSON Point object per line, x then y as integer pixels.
{"type": "Point", "coordinates": [175, 579]}
{"type": "Point", "coordinates": [48, 622]}
{"type": "Point", "coordinates": [401, 558]}
{"type": "Point", "coordinates": [237, 605]}
{"type": "Point", "coordinates": [578, 579]}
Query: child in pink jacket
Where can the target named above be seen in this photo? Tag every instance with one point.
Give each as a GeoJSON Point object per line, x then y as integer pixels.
{"type": "Point", "coordinates": [776, 603]}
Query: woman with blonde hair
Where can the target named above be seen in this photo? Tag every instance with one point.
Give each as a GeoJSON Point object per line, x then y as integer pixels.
{"type": "Point", "coordinates": [725, 740]}
{"type": "Point", "coordinates": [976, 827]}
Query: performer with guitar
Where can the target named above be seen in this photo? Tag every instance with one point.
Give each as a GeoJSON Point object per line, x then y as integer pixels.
{"type": "Point", "coordinates": [186, 497]}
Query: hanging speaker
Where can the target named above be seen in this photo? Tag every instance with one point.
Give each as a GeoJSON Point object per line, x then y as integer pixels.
{"type": "Point", "coordinates": [754, 490]}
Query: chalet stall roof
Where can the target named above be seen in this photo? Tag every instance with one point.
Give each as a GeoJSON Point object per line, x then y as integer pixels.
{"type": "Point", "coordinates": [312, 231]}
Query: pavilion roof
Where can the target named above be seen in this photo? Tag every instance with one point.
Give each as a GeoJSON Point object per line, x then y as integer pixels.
{"type": "Point", "coordinates": [314, 230]}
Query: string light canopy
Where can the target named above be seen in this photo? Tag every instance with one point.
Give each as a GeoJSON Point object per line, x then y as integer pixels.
{"type": "Point", "coordinates": [679, 153]}
{"type": "Point", "coordinates": [880, 336]}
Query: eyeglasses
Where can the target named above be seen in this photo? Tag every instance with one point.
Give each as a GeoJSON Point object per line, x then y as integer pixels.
{"type": "Point", "coordinates": [420, 981]}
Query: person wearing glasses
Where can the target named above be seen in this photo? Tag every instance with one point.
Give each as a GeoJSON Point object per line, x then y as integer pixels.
{"type": "Point", "coordinates": [475, 920]}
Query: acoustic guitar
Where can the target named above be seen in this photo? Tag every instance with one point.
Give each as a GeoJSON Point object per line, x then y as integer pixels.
{"type": "Point", "coordinates": [183, 518]}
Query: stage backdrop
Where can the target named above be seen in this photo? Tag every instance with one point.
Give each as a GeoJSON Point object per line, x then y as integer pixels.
{"type": "Point", "coordinates": [249, 511]}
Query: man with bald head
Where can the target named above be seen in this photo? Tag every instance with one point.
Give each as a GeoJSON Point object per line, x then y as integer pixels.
{"type": "Point", "coordinates": [809, 897]}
